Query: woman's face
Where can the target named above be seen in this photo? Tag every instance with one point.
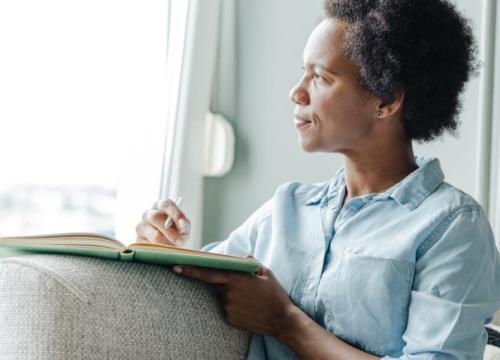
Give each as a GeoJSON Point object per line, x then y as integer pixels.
{"type": "Point", "coordinates": [333, 112]}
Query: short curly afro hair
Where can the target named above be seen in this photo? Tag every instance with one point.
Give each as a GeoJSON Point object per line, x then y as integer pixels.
{"type": "Point", "coordinates": [424, 48]}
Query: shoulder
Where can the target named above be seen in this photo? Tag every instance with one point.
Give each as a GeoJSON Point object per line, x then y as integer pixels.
{"type": "Point", "coordinates": [460, 221]}
{"type": "Point", "coordinates": [288, 196]}
{"type": "Point", "coordinates": [291, 193]}
{"type": "Point", "coordinates": [460, 252]}
{"type": "Point", "coordinates": [454, 198]}
{"type": "Point", "coordinates": [300, 192]}
{"type": "Point", "coordinates": [447, 205]}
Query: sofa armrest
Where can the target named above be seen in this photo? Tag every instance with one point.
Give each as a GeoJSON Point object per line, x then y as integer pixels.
{"type": "Point", "coordinates": [70, 307]}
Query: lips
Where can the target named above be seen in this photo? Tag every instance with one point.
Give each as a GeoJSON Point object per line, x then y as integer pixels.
{"type": "Point", "coordinates": [301, 121]}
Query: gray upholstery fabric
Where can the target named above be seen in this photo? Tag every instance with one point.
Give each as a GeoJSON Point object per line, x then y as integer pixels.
{"type": "Point", "coordinates": [70, 307]}
{"type": "Point", "coordinates": [491, 353]}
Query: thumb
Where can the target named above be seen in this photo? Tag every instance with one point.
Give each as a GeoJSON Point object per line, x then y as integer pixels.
{"type": "Point", "coordinates": [261, 270]}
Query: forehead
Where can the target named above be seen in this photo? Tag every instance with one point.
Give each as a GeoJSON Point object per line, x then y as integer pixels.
{"type": "Point", "coordinates": [326, 43]}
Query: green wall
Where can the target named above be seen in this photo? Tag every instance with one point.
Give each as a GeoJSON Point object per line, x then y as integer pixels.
{"type": "Point", "coordinates": [270, 37]}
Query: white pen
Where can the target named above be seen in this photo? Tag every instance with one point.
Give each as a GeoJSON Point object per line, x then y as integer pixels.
{"type": "Point", "coordinates": [169, 220]}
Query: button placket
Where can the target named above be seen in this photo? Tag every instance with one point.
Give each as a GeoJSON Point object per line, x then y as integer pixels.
{"type": "Point", "coordinates": [348, 211]}
{"type": "Point", "coordinates": [307, 288]}
{"type": "Point", "coordinates": [329, 214]}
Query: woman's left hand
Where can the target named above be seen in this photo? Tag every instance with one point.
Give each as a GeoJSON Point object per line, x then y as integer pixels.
{"type": "Point", "coordinates": [256, 303]}
{"type": "Point", "coordinates": [259, 304]}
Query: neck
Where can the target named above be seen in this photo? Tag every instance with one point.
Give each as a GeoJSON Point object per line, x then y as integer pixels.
{"type": "Point", "coordinates": [376, 171]}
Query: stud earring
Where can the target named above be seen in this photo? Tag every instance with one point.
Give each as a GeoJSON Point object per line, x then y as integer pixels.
{"type": "Point", "coordinates": [379, 114]}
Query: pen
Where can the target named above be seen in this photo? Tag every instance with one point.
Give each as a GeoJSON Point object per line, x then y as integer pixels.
{"type": "Point", "coordinates": [169, 220]}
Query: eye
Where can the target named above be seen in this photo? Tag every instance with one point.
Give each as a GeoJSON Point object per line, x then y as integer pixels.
{"type": "Point", "coordinates": [319, 78]}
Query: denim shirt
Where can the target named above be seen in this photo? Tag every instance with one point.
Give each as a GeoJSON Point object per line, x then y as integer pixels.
{"type": "Point", "coordinates": [410, 273]}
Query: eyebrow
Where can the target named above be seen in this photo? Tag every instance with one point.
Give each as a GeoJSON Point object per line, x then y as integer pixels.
{"type": "Point", "coordinates": [324, 68]}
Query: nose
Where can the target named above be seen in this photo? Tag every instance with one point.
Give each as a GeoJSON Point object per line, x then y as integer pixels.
{"type": "Point", "coordinates": [299, 94]}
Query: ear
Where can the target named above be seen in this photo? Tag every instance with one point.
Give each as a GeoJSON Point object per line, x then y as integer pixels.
{"type": "Point", "coordinates": [387, 110]}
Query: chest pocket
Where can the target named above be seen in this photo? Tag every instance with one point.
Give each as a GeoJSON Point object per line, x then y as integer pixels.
{"type": "Point", "coordinates": [368, 300]}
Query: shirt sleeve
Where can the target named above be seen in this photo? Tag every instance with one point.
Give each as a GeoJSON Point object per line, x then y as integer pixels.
{"type": "Point", "coordinates": [455, 292]}
{"type": "Point", "coordinates": [241, 241]}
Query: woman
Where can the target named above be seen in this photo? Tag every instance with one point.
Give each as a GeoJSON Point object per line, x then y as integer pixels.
{"type": "Point", "coordinates": [385, 259]}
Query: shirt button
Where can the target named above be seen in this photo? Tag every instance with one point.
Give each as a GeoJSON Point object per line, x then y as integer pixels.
{"type": "Point", "coordinates": [311, 286]}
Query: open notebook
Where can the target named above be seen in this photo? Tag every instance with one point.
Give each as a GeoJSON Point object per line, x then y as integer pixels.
{"type": "Point", "coordinates": [96, 245]}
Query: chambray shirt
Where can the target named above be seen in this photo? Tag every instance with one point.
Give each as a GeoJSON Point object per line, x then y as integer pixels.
{"type": "Point", "coordinates": [410, 273]}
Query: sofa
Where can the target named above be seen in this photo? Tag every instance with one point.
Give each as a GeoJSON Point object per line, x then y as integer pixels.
{"type": "Point", "coordinates": [71, 307]}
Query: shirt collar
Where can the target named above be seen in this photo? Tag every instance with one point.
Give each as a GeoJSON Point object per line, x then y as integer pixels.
{"type": "Point", "coordinates": [328, 189]}
{"type": "Point", "coordinates": [409, 192]}
{"type": "Point", "coordinates": [417, 186]}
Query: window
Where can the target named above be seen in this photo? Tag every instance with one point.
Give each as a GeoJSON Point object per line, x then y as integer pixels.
{"type": "Point", "coordinates": [83, 89]}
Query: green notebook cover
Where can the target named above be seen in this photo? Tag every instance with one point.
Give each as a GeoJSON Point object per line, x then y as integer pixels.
{"type": "Point", "coordinates": [95, 245]}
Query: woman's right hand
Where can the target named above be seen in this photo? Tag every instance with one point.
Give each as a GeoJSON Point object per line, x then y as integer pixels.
{"type": "Point", "coordinates": [152, 226]}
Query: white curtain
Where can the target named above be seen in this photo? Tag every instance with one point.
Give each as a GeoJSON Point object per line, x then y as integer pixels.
{"type": "Point", "coordinates": [495, 130]}
{"type": "Point", "coordinates": [183, 165]}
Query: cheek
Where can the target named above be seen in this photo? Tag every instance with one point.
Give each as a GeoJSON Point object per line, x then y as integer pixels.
{"type": "Point", "coordinates": [341, 105]}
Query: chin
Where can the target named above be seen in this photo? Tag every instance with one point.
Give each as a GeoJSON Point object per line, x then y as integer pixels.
{"type": "Point", "coordinates": [309, 147]}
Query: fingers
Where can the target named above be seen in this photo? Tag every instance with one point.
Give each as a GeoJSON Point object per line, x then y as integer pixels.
{"type": "Point", "coordinates": [152, 228]}
{"type": "Point", "coordinates": [181, 221]}
{"type": "Point", "coordinates": [148, 233]}
{"type": "Point", "coordinates": [206, 275]}
{"type": "Point", "coordinates": [262, 270]}
{"type": "Point", "coordinates": [156, 218]}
